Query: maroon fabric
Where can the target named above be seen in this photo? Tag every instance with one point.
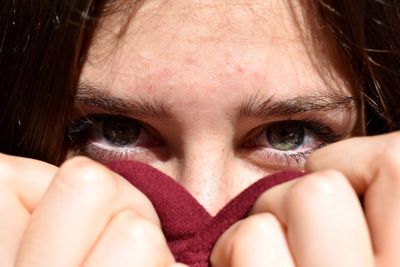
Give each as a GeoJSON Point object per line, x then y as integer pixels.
{"type": "Point", "coordinates": [190, 230]}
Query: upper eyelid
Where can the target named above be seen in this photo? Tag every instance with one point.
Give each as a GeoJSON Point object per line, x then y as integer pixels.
{"type": "Point", "coordinates": [143, 125]}
{"type": "Point", "coordinates": [329, 135]}
{"type": "Point", "coordinates": [332, 136]}
{"type": "Point", "coordinates": [97, 116]}
{"type": "Point", "coordinates": [299, 107]}
{"type": "Point", "coordinates": [289, 156]}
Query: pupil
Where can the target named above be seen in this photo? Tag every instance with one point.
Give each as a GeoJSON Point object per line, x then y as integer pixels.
{"type": "Point", "coordinates": [120, 131]}
{"type": "Point", "coordinates": [285, 137]}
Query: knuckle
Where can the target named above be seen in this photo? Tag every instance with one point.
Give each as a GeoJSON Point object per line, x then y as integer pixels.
{"type": "Point", "coordinates": [390, 154]}
{"type": "Point", "coordinates": [88, 178]}
{"type": "Point", "coordinates": [248, 232]}
{"type": "Point", "coordinates": [255, 226]}
{"type": "Point", "coordinates": [137, 228]}
{"type": "Point", "coordinates": [317, 186]}
{"type": "Point", "coordinates": [7, 170]}
{"type": "Point", "coordinates": [394, 139]}
{"type": "Point", "coordinates": [260, 221]}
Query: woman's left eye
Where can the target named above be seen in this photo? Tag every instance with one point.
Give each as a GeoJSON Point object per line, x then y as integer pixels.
{"type": "Point", "coordinates": [106, 137]}
{"type": "Point", "coordinates": [286, 136]}
{"type": "Point", "coordinates": [291, 140]}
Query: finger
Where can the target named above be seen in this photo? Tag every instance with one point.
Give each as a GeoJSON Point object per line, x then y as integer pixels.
{"type": "Point", "coordinates": [258, 240]}
{"type": "Point", "coordinates": [13, 219]}
{"type": "Point", "coordinates": [22, 183]}
{"type": "Point", "coordinates": [75, 209]}
{"type": "Point", "coordinates": [28, 178]}
{"type": "Point", "coordinates": [375, 173]}
{"type": "Point", "coordinates": [324, 220]}
{"type": "Point", "coordinates": [130, 240]}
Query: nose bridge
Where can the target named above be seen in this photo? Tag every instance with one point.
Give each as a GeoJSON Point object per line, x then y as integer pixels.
{"type": "Point", "coordinates": [204, 171]}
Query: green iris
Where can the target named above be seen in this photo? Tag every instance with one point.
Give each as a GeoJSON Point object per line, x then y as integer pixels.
{"type": "Point", "coordinates": [286, 136]}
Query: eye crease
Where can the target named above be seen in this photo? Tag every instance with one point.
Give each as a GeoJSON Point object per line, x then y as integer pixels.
{"type": "Point", "coordinates": [106, 137]}
{"type": "Point", "coordinates": [282, 134]}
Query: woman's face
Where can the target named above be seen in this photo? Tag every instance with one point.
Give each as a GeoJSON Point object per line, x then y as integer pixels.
{"type": "Point", "coordinates": [216, 94]}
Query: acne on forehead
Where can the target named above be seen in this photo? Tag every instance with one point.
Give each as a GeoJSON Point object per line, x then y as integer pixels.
{"type": "Point", "coordinates": [202, 60]}
{"type": "Point", "coordinates": [198, 22]}
{"type": "Point", "coordinates": [231, 41]}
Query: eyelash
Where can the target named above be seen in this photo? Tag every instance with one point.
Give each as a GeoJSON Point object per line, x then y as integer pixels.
{"type": "Point", "coordinates": [82, 142]}
{"type": "Point", "coordinates": [322, 132]}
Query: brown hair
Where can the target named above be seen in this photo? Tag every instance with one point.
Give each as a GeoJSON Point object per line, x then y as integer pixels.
{"type": "Point", "coordinates": [368, 33]}
{"type": "Point", "coordinates": [42, 47]}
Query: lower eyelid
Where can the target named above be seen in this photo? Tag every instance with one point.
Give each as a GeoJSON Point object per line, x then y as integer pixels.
{"type": "Point", "coordinates": [131, 149]}
{"type": "Point", "coordinates": [280, 160]}
{"type": "Point", "coordinates": [137, 152]}
{"type": "Point", "coordinates": [103, 154]}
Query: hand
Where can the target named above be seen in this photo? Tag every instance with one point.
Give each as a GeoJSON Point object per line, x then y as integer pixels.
{"type": "Point", "coordinates": [80, 214]}
{"type": "Point", "coordinates": [318, 219]}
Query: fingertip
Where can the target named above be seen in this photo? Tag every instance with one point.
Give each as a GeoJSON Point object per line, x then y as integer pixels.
{"type": "Point", "coordinates": [131, 239]}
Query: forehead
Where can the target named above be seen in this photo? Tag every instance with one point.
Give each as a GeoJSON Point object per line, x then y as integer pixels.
{"type": "Point", "coordinates": [205, 20]}
{"type": "Point", "coordinates": [205, 44]}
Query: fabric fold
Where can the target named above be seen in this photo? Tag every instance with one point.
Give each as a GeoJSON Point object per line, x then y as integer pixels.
{"type": "Point", "coordinates": [190, 230]}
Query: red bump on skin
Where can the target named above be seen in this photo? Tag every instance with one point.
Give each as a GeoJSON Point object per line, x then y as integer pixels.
{"type": "Point", "coordinates": [165, 73]}
{"type": "Point", "coordinates": [240, 69]}
{"type": "Point", "coordinates": [190, 61]}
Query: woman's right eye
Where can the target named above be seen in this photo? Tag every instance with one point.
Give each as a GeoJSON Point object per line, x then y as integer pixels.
{"type": "Point", "coordinates": [105, 136]}
{"type": "Point", "coordinates": [119, 131]}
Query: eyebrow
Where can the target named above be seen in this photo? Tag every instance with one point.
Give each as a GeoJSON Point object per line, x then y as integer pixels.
{"type": "Point", "coordinates": [89, 94]}
{"type": "Point", "coordinates": [254, 107]}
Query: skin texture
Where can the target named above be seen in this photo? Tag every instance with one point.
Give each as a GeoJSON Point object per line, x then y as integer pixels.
{"type": "Point", "coordinates": [324, 222]}
{"type": "Point", "coordinates": [201, 61]}
{"type": "Point", "coordinates": [100, 212]}
{"type": "Point", "coordinates": [201, 75]}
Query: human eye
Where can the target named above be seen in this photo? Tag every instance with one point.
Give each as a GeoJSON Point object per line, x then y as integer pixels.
{"type": "Point", "coordinates": [106, 137]}
{"type": "Point", "coordinates": [289, 143]}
